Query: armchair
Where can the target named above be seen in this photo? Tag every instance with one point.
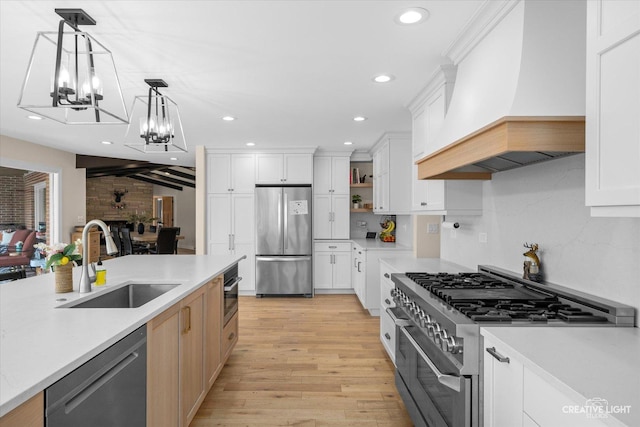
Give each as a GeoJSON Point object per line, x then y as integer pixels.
{"type": "Point", "coordinates": [11, 258]}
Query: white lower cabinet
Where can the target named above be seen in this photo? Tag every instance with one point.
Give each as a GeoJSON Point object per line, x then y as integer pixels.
{"type": "Point", "coordinates": [502, 386]}
{"type": "Point", "coordinates": [332, 265]}
{"type": "Point", "coordinates": [516, 396]}
{"type": "Point", "coordinates": [365, 267]}
{"type": "Point", "coordinates": [230, 219]}
{"type": "Point", "coordinates": [387, 325]}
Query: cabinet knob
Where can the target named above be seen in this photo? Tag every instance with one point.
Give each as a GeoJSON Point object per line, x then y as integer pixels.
{"type": "Point", "coordinates": [386, 275]}
{"type": "Point", "coordinates": [387, 336]}
{"type": "Point", "coordinates": [423, 203]}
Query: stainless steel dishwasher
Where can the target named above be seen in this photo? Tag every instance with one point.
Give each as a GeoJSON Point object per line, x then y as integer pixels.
{"type": "Point", "coordinates": [109, 390]}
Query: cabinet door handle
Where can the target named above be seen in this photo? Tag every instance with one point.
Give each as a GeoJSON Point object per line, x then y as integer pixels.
{"type": "Point", "coordinates": [229, 241]}
{"type": "Point", "coordinates": [387, 336]}
{"type": "Point", "coordinates": [232, 335]}
{"type": "Point", "coordinates": [492, 351]}
{"type": "Point", "coordinates": [386, 275]}
{"type": "Point", "coordinates": [423, 203]}
{"type": "Point", "coordinates": [186, 315]}
{"type": "Point", "coordinates": [359, 267]}
{"type": "Point", "coordinates": [329, 216]}
{"type": "Point", "coordinates": [333, 247]}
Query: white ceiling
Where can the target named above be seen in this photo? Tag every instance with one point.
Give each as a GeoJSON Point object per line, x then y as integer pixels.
{"type": "Point", "coordinates": [294, 73]}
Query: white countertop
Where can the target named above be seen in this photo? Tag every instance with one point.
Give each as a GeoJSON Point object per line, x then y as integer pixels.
{"type": "Point", "coordinates": [39, 343]}
{"type": "Point", "coordinates": [427, 265]}
{"type": "Point", "coordinates": [377, 245]}
{"type": "Point", "coordinates": [582, 362]}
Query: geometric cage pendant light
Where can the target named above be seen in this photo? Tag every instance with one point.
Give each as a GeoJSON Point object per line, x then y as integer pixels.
{"type": "Point", "coordinates": [155, 125]}
{"type": "Point", "coordinates": [71, 77]}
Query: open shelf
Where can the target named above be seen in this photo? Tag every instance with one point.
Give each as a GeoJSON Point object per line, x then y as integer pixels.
{"type": "Point", "coordinates": [363, 185]}
{"type": "Point", "coordinates": [361, 210]}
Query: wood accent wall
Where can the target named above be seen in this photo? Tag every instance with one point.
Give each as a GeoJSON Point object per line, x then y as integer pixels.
{"type": "Point", "coordinates": [101, 201]}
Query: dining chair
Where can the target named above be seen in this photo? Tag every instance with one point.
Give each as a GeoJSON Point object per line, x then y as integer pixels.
{"type": "Point", "coordinates": [166, 241]}
{"type": "Point", "coordinates": [128, 246]}
{"type": "Point", "coordinates": [177, 234]}
{"type": "Point", "coordinates": [115, 234]}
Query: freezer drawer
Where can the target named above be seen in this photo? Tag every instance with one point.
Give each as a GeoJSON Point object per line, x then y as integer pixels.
{"type": "Point", "coordinates": [284, 275]}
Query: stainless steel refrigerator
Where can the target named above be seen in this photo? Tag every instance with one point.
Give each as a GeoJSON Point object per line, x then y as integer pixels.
{"type": "Point", "coordinates": [283, 240]}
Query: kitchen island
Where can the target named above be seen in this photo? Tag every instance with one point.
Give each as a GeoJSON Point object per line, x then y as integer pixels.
{"type": "Point", "coordinates": [40, 342]}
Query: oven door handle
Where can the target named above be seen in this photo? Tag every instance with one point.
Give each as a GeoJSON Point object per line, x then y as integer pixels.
{"type": "Point", "coordinates": [451, 381]}
{"type": "Point", "coordinates": [233, 285]}
{"type": "Point", "coordinates": [396, 320]}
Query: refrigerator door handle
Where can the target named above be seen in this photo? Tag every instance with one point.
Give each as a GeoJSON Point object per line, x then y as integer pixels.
{"type": "Point", "coordinates": [283, 259]}
{"type": "Point", "coordinates": [280, 218]}
{"type": "Point", "coordinates": [286, 221]}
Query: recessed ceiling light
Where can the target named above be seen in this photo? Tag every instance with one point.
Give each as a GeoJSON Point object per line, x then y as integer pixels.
{"type": "Point", "coordinates": [106, 142]}
{"type": "Point", "coordinates": [251, 144]}
{"type": "Point", "coordinates": [228, 118]}
{"type": "Point", "coordinates": [413, 15]}
{"type": "Point", "coordinates": [383, 78]}
{"type": "Point", "coordinates": [173, 158]}
{"type": "Point", "coordinates": [359, 119]}
{"type": "Point", "coordinates": [35, 117]}
{"type": "Point", "coordinates": [348, 143]}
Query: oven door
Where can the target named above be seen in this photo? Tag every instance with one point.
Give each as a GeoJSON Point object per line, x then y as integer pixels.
{"type": "Point", "coordinates": [231, 298]}
{"type": "Point", "coordinates": [441, 397]}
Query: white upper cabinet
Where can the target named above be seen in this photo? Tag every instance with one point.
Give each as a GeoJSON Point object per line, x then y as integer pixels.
{"type": "Point", "coordinates": [392, 174]}
{"type": "Point", "coordinates": [287, 168]}
{"type": "Point", "coordinates": [438, 197]}
{"type": "Point", "coordinates": [331, 175]}
{"type": "Point", "coordinates": [230, 173]}
{"type": "Point", "coordinates": [613, 108]}
{"type": "Point", "coordinates": [331, 197]}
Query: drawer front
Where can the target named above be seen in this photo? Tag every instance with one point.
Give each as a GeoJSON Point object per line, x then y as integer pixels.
{"type": "Point", "coordinates": [386, 300]}
{"type": "Point", "coordinates": [332, 247]}
{"type": "Point", "coordinates": [229, 337]}
{"type": "Point", "coordinates": [388, 335]}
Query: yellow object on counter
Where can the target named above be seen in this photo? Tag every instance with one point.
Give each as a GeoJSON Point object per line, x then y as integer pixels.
{"type": "Point", "coordinates": [101, 274]}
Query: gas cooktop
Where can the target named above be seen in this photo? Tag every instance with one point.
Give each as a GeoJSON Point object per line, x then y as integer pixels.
{"type": "Point", "coordinates": [488, 297]}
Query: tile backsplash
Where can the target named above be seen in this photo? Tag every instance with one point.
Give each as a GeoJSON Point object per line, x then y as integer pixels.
{"type": "Point", "coordinates": [544, 204]}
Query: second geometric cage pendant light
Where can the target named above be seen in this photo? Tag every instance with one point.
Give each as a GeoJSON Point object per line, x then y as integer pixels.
{"type": "Point", "coordinates": [71, 77]}
{"type": "Point", "coordinates": [155, 125]}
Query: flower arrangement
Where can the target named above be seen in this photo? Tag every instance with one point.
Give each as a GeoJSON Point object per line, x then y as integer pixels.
{"type": "Point", "coordinates": [141, 219]}
{"type": "Point", "coordinates": [60, 253]}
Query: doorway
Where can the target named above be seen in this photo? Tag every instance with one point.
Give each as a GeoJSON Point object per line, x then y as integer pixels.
{"type": "Point", "coordinates": [163, 210]}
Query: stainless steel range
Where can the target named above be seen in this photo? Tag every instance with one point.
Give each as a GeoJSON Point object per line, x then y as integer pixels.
{"type": "Point", "coordinates": [438, 344]}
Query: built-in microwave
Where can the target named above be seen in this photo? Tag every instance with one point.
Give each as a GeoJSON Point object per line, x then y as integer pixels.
{"type": "Point", "coordinates": [231, 280]}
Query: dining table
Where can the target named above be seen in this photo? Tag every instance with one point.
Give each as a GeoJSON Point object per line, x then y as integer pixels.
{"type": "Point", "coordinates": [148, 237]}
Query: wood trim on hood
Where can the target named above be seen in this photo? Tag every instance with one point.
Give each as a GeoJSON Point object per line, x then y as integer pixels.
{"type": "Point", "coordinates": [507, 143]}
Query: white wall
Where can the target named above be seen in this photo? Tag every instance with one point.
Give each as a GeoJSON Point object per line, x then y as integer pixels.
{"type": "Point", "coordinates": [15, 153]}
{"type": "Point", "coordinates": [184, 213]}
{"type": "Point", "coordinates": [544, 204]}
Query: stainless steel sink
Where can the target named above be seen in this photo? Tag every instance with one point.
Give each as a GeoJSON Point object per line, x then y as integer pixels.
{"type": "Point", "coordinates": [129, 296]}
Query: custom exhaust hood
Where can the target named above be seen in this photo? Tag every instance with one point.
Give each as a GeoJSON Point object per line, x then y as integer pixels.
{"type": "Point", "coordinates": [519, 96]}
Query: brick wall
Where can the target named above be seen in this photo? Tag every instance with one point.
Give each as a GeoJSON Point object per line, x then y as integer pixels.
{"type": "Point", "coordinates": [12, 200]}
{"type": "Point", "coordinates": [101, 201]}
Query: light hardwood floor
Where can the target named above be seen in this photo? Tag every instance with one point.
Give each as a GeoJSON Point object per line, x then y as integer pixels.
{"type": "Point", "coordinates": [305, 362]}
